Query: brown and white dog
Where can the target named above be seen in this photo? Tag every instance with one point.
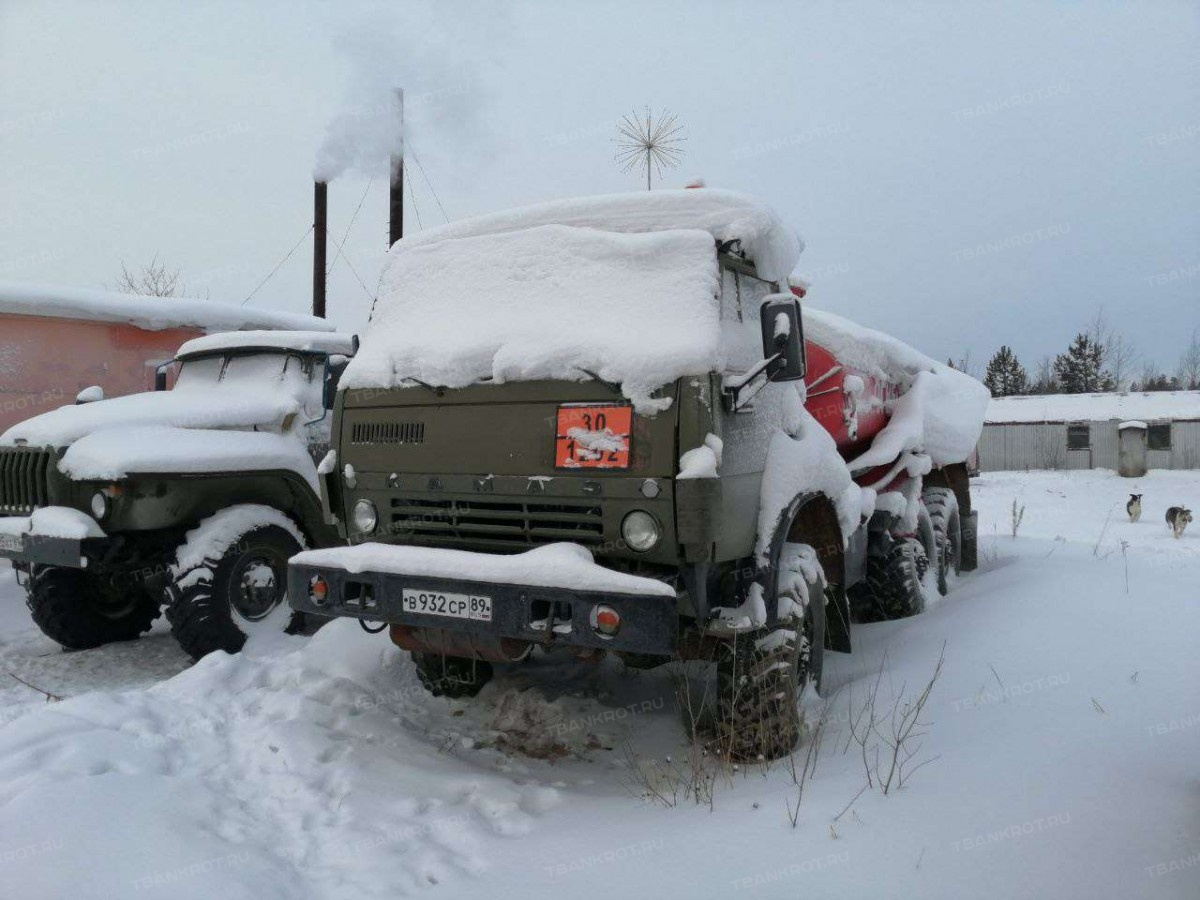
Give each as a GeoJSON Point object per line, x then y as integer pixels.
{"type": "Point", "coordinates": [1178, 519]}
{"type": "Point", "coordinates": [1134, 507]}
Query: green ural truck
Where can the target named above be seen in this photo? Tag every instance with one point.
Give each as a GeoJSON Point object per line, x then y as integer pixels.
{"type": "Point", "coordinates": [193, 497]}
{"type": "Point", "coordinates": [586, 425]}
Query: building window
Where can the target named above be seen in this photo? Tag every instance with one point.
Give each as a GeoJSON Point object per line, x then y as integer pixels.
{"type": "Point", "coordinates": [1079, 437]}
{"type": "Point", "coordinates": [1158, 437]}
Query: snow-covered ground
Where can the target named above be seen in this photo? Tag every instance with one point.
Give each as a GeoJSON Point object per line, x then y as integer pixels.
{"type": "Point", "coordinates": [1063, 739]}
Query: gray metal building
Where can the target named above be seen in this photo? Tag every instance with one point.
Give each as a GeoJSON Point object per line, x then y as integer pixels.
{"type": "Point", "coordinates": [1081, 431]}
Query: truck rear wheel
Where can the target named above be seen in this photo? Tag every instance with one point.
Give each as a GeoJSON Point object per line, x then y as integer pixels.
{"type": "Point", "coordinates": [232, 589]}
{"type": "Point", "coordinates": [72, 607]}
{"type": "Point", "coordinates": [895, 579]}
{"type": "Point", "coordinates": [942, 505]}
{"type": "Point", "coordinates": [451, 676]}
{"type": "Point", "coordinates": [761, 674]}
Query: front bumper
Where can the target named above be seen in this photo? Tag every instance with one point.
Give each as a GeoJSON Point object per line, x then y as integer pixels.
{"type": "Point", "coordinates": [540, 615]}
{"type": "Point", "coordinates": [24, 540]}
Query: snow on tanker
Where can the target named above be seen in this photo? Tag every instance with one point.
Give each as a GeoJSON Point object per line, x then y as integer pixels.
{"type": "Point", "coordinates": [608, 426]}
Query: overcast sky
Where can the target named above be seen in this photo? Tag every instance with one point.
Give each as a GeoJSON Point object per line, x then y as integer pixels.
{"type": "Point", "coordinates": [964, 175]}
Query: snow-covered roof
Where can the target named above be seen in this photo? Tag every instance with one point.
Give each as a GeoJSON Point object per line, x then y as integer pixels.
{"type": "Point", "coordinates": [1147, 406]}
{"type": "Point", "coordinates": [150, 313]}
{"type": "Point", "coordinates": [302, 341]}
{"type": "Point", "coordinates": [726, 215]}
{"type": "Point", "coordinates": [548, 301]}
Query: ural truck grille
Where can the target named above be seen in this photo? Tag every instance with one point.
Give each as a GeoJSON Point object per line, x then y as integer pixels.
{"type": "Point", "coordinates": [496, 524]}
{"type": "Point", "coordinates": [24, 474]}
{"type": "Point", "coordinates": [387, 433]}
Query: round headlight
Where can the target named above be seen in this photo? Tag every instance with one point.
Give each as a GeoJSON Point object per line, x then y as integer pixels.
{"type": "Point", "coordinates": [640, 531]}
{"type": "Point", "coordinates": [364, 517]}
{"type": "Point", "coordinates": [100, 506]}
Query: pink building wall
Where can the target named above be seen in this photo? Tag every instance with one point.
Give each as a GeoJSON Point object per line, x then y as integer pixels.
{"type": "Point", "coordinates": [45, 360]}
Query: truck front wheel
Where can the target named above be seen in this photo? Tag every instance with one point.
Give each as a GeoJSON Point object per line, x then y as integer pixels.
{"type": "Point", "coordinates": [79, 611]}
{"type": "Point", "coordinates": [762, 673]}
{"type": "Point", "coordinates": [232, 588]}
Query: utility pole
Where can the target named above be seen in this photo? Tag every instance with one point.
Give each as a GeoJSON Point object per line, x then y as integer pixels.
{"type": "Point", "coordinates": [320, 232]}
{"type": "Point", "coordinates": [396, 191]}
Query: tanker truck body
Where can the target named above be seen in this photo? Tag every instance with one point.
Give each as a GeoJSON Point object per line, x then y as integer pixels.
{"type": "Point", "coordinates": [609, 426]}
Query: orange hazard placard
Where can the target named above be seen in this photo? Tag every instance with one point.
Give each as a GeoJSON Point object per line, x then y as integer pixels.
{"type": "Point", "coordinates": [593, 437]}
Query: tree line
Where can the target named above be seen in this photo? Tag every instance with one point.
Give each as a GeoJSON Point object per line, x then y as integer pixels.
{"type": "Point", "coordinates": [1098, 359]}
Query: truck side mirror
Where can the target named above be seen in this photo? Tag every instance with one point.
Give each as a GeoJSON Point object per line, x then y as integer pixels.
{"type": "Point", "coordinates": [334, 368]}
{"type": "Point", "coordinates": [160, 378]}
{"type": "Point", "coordinates": [783, 337]}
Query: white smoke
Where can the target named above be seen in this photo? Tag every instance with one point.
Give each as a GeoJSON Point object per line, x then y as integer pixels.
{"type": "Point", "coordinates": [427, 56]}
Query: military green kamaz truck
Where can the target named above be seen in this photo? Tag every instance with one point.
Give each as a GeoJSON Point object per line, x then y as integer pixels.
{"type": "Point", "coordinates": [191, 498]}
{"type": "Point", "coordinates": [607, 425]}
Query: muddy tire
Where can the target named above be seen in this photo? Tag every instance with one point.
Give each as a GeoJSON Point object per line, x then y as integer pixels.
{"type": "Point", "coordinates": [761, 674]}
{"type": "Point", "coordinates": [451, 676]}
{"type": "Point", "coordinates": [214, 603]}
{"type": "Point", "coordinates": [943, 513]}
{"type": "Point", "coordinates": [72, 608]}
{"type": "Point", "coordinates": [895, 579]}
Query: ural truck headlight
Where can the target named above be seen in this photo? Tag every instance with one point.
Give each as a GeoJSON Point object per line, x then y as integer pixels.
{"type": "Point", "coordinates": [640, 531]}
{"type": "Point", "coordinates": [364, 517]}
{"type": "Point", "coordinates": [100, 506]}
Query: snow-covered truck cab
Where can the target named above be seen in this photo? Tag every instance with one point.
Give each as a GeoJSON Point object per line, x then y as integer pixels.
{"type": "Point", "coordinates": [195, 496]}
{"type": "Point", "coordinates": [582, 425]}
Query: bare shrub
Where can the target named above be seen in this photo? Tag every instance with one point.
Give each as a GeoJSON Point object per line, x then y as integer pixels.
{"type": "Point", "coordinates": [1018, 516]}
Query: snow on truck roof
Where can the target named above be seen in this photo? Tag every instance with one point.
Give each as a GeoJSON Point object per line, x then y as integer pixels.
{"type": "Point", "coordinates": [149, 313]}
{"type": "Point", "coordinates": [1130, 406]}
{"type": "Point", "coordinates": [548, 302]}
{"type": "Point", "coordinates": [327, 342]}
{"type": "Point", "coordinates": [726, 215]}
{"type": "Point", "coordinates": [624, 287]}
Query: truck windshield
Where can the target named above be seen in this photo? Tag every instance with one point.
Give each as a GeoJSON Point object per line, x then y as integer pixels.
{"type": "Point", "coordinates": [256, 369]}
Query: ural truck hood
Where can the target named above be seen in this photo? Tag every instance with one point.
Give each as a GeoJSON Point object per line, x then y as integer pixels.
{"type": "Point", "coordinates": [182, 431]}
{"type": "Point", "coordinates": [210, 409]}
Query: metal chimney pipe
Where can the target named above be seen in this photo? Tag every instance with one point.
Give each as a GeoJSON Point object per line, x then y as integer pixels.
{"type": "Point", "coordinates": [396, 191]}
{"type": "Point", "coordinates": [320, 222]}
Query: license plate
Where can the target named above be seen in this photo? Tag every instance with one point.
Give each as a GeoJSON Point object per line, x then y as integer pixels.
{"type": "Point", "coordinates": [452, 606]}
{"type": "Point", "coordinates": [13, 543]}
{"type": "Point", "coordinates": [593, 437]}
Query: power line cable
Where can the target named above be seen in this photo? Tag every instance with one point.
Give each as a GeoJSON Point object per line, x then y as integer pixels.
{"type": "Point", "coordinates": [280, 264]}
{"type": "Point", "coordinates": [413, 196]}
{"type": "Point", "coordinates": [357, 209]}
{"type": "Point", "coordinates": [366, 290]}
{"type": "Point", "coordinates": [431, 190]}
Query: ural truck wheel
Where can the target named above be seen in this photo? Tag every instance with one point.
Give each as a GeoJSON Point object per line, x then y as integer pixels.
{"type": "Point", "coordinates": [72, 608]}
{"type": "Point", "coordinates": [451, 676]}
{"type": "Point", "coordinates": [221, 589]}
{"type": "Point", "coordinates": [943, 513]}
{"type": "Point", "coordinates": [895, 579]}
{"type": "Point", "coordinates": [761, 674]}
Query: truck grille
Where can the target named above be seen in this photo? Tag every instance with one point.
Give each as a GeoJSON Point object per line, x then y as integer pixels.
{"type": "Point", "coordinates": [496, 524]}
{"type": "Point", "coordinates": [24, 476]}
{"type": "Point", "coordinates": [387, 433]}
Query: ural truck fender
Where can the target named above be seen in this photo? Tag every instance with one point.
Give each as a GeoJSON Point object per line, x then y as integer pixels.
{"type": "Point", "coordinates": [812, 519]}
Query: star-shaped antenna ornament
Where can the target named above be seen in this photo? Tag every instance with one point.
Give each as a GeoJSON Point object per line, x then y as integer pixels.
{"type": "Point", "coordinates": [649, 142]}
